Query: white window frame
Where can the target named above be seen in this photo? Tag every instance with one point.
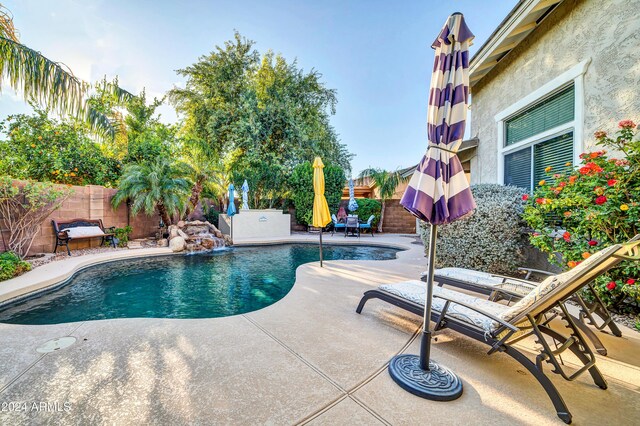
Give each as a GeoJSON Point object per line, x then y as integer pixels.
{"type": "Point", "coordinates": [574, 75]}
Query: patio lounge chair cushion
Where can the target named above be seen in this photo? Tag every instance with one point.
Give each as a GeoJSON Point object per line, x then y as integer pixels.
{"type": "Point", "coordinates": [484, 279]}
{"type": "Point", "coordinates": [84, 231]}
{"type": "Point", "coordinates": [415, 291]}
{"type": "Point", "coordinates": [554, 282]}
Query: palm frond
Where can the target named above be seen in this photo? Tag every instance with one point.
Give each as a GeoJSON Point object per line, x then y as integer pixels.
{"type": "Point", "coordinates": [41, 79]}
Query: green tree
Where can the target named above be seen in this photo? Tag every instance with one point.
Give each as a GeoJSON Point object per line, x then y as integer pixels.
{"type": "Point", "coordinates": [49, 83]}
{"type": "Point", "coordinates": [158, 186]}
{"type": "Point", "coordinates": [302, 189]}
{"type": "Point", "coordinates": [48, 150]}
{"type": "Point", "coordinates": [260, 114]}
{"type": "Point", "coordinates": [205, 172]}
{"type": "Point", "coordinates": [386, 182]}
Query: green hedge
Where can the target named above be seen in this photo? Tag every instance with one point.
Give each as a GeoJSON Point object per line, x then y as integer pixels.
{"type": "Point", "coordinates": [368, 207]}
{"type": "Point", "coordinates": [301, 183]}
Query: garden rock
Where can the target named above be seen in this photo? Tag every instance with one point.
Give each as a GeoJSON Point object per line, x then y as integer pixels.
{"type": "Point", "coordinates": [177, 244]}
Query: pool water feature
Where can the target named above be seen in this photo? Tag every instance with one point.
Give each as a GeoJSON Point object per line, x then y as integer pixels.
{"type": "Point", "coordinates": [204, 285]}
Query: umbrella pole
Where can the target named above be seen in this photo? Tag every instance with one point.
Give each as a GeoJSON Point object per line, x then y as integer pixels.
{"type": "Point", "coordinates": [425, 343]}
{"type": "Point", "coordinates": [231, 230]}
{"type": "Point", "coordinates": [321, 247]}
{"type": "Point", "coordinates": [418, 374]}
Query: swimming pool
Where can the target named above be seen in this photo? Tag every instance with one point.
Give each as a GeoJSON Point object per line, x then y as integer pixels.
{"type": "Point", "coordinates": [204, 285]}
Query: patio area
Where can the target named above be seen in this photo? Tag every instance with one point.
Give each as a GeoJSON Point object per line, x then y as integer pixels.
{"type": "Point", "coordinates": [307, 359]}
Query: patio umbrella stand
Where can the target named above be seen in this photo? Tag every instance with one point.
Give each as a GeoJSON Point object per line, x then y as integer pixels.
{"type": "Point", "coordinates": [420, 375]}
{"type": "Point", "coordinates": [439, 193]}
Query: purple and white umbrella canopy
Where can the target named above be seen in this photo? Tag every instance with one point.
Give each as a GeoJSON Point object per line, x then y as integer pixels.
{"type": "Point", "coordinates": [439, 193]}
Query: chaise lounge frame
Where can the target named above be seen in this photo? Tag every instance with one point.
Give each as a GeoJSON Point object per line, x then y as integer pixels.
{"type": "Point", "coordinates": [587, 309]}
{"type": "Point", "coordinates": [532, 322]}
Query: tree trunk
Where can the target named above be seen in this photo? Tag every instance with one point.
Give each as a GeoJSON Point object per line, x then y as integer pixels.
{"type": "Point", "coordinates": [163, 214]}
{"type": "Point", "coordinates": [381, 216]}
{"type": "Point", "coordinates": [195, 197]}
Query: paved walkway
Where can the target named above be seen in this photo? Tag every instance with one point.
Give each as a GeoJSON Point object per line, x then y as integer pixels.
{"type": "Point", "coordinates": [307, 359]}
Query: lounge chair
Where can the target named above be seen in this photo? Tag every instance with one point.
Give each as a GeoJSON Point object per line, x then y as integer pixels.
{"type": "Point", "coordinates": [499, 287]}
{"type": "Point", "coordinates": [367, 224]}
{"type": "Point", "coordinates": [352, 226]}
{"type": "Point", "coordinates": [336, 225]}
{"type": "Point", "coordinates": [501, 326]}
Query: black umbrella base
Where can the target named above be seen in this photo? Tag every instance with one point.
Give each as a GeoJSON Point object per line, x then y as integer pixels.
{"type": "Point", "coordinates": [438, 383]}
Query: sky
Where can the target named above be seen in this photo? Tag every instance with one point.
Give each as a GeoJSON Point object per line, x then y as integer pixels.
{"type": "Point", "coordinates": [376, 54]}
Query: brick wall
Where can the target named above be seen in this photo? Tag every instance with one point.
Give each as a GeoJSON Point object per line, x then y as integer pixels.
{"type": "Point", "coordinates": [91, 202]}
{"type": "Point", "coordinates": [397, 220]}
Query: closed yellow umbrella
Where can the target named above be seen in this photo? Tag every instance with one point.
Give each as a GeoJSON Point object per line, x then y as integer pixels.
{"type": "Point", "coordinates": [321, 215]}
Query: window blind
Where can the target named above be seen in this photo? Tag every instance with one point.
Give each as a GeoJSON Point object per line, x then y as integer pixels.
{"type": "Point", "coordinates": [554, 152]}
{"type": "Point", "coordinates": [551, 112]}
{"type": "Point", "coordinates": [517, 168]}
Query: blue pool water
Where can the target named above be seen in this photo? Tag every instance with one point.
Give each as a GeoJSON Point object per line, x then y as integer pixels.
{"type": "Point", "coordinates": [205, 285]}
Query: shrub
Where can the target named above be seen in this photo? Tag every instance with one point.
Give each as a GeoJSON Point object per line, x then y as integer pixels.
{"type": "Point", "coordinates": [122, 234]}
{"type": "Point", "coordinates": [368, 207]}
{"type": "Point", "coordinates": [301, 183]}
{"type": "Point", "coordinates": [491, 240]}
{"type": "Point", "coordinates": [23, 208]}
{"type": "Point", "coordinates": [577, 212]}
{"type": "Point", "coordinates": [11, 265]}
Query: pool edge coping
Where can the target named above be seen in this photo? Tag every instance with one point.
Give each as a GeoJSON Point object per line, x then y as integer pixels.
{"type": "Point", "coordinates": [20, 288]}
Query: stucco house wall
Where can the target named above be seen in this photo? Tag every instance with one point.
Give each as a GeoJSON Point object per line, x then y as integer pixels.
{"type": "Point", "coordinates": [606, 32]}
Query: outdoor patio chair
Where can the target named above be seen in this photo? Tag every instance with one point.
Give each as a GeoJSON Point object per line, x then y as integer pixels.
{"type": "Point", "coordinates": [352, 226]}
{"type": "Point", "coordinates": [367, 225]}
{"type": "Point", "coordinates": [510, 289]}
{"type": "Point", "coordinates": [501, 326]}
{"type": "Point", "coordinates": [336, 225]}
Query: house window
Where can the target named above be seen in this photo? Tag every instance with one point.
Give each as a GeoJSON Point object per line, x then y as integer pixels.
{"type": "Point", "coordinates": [539, 136]}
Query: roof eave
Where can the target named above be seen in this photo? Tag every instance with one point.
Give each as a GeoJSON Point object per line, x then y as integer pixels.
{"type": "Point", "coordinates": [523, 19]}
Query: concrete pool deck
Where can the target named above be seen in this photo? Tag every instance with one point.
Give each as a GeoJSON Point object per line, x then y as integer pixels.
{"type": "Point", "coordinates": [307, 359]}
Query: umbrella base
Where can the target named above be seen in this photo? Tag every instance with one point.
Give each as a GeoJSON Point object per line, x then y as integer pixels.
{"type": "Point", "coordinates": [437, 384]}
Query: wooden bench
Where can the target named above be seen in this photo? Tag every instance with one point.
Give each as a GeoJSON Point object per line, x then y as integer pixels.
{"type": "Point", "coordinates": [61, 229]}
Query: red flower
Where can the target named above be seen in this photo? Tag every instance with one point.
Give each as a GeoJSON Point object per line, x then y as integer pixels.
{"type": "Point", "coordinates": [600, 134]}
{"type": "Point", "coordinates": [525, 197]}
{"type": "Point", "coordinates": [562, 184]}
{"type": "Point", "coordinates": [631, 281]}
{"type": "Point", "coordinates": [566, 236]}
{"type": "Point", "coordinates": [611, 182]}
{"type": "Point", "coordinates": [536, 234]}
{"type": "Point", "coordinates": [592, 243]}
{"type": "Point", "coordinates": [611, 285]}
{"type": "Point", "coordinates": [626, 124]}
{"type": "Point", "coordinates": [601, 200]}
{"type": "Point", "coordinates": [540, 200]}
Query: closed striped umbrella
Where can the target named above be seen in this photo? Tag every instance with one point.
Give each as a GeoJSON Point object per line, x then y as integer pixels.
{"type": "Point", "coordinates": [439, 193]}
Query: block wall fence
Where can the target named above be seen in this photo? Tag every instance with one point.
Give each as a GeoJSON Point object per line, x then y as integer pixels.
{"type": "Point", "coordinates": [90, 202]}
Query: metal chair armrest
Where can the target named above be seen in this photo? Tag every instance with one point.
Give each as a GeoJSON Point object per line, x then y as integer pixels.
{"type": "Point", "coordinates": [530, 271]}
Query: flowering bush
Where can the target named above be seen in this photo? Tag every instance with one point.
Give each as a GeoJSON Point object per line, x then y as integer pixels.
{"type": "Point", "coordinates": [578, 211]}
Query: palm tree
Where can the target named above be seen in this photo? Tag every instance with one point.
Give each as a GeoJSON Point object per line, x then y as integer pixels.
{"type": "Point", "coordinates": [205, 170]}
{"type": "Point", "coordinates": [387, 182]}
{"type": "Point", "coordinates": [47, 82]}
{"type": "Point", "coordinates": [150, 187]}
